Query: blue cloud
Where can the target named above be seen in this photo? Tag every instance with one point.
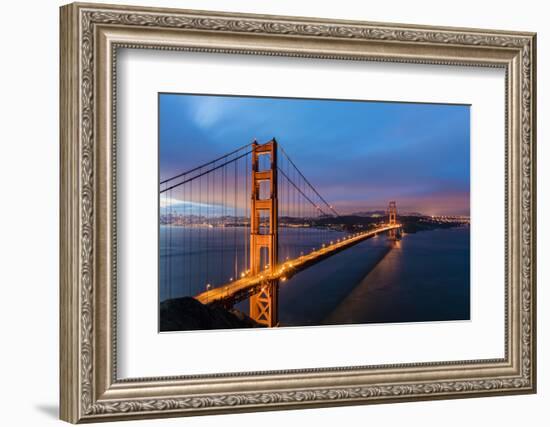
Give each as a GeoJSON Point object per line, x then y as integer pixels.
{"type": "Point", "coordinates": [351, 151]}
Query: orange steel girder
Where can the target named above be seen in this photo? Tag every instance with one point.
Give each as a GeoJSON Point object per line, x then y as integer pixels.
{"type": "Point", "coordinates": [263, 305]}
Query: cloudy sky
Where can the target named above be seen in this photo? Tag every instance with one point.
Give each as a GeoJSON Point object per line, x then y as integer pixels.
{"type": "Point", "coordinates": [358, 154]}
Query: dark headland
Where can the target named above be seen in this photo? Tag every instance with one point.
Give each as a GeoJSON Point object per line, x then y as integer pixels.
{"type": "Point", "coordinates": [188, 314]}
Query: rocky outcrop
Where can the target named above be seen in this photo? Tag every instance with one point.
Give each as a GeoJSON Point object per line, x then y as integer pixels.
{"type": "Point", "coordinates": [188, 314]}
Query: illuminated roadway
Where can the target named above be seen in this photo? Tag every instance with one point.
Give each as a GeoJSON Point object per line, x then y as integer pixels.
{"type": "Point", "coordinates": [242, 288]}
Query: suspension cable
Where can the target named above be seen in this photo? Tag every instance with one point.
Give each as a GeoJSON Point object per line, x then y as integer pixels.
{"type": "Point", "coordinates": [308, 183]}
{"type": "Point", "coordinates": [205, 164]}
{"type": "Point", "coordinates": [205, 172]}
{"type": "Point", "coordinates": [303, 194]}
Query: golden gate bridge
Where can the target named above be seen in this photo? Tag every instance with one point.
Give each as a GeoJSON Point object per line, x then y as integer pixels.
{"type": "Point", "coordinates": [250, 220]}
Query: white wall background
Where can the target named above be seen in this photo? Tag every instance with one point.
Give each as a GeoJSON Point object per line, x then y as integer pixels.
{"type": "Point", "coordinates": [29, 171]}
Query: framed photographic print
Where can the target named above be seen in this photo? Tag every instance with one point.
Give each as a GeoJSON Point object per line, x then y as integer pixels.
{"type": "Point", "coordinates": [265, 212]}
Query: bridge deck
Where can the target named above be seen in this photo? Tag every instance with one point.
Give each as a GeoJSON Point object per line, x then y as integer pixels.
{"type": "Point", "coordinates": [242, 288]}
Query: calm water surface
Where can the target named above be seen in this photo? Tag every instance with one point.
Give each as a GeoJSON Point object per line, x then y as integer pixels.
{"type": "Point", "coordinates": [423, 277]}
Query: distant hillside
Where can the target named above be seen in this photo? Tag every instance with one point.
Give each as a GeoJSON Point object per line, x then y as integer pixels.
{"type": "Point", "coordinates": [384, 213]}
{"type": "Point", "coordinates": [369, 213]}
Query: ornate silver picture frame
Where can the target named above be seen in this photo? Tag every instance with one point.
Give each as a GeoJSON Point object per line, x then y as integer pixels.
{"type": "Point", "coordinates": [91, 36]}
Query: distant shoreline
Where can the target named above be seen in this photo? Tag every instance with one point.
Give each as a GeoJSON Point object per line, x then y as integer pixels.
{"type": "Point", "coordinates": [408, 226]}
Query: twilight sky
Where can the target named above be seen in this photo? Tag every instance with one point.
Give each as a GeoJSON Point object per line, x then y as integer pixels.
{"type": "Point", "coordinates": [358, 154]}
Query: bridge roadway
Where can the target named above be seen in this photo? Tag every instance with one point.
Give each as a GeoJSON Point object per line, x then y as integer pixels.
{"type": "Point", "coordinates": [243, 288]}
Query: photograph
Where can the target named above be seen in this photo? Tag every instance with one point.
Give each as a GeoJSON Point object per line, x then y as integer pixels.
{"type": "Point", "coordinates": [286, 212]}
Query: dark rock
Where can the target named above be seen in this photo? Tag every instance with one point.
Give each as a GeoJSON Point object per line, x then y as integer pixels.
{"type": "Point", "coordinates": [188, 314]}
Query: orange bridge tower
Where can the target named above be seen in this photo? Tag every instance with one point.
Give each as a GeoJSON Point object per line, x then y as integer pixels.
{"type": "Point", "coordinates": [392, 219]}
{"type": "Point", "coordinates": [264, 232]}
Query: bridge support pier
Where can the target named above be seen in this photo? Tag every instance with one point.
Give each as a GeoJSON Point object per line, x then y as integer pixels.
{"type": "Point", "coordinates": [264, 239]}
{"type": "Point", "coordinates": [264, 305]}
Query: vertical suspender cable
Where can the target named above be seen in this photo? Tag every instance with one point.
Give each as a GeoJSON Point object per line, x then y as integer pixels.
{"type": "Point", "coordinates": [189, 245]}
{"type": "Point", "coordinates": [247, 215]}
{"type": "Point", "coordinates": [201, 242]}
{"type": "Point", "coordinates": [223, 173]}
{"type": "Point", "coordinates": [235, 267]}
